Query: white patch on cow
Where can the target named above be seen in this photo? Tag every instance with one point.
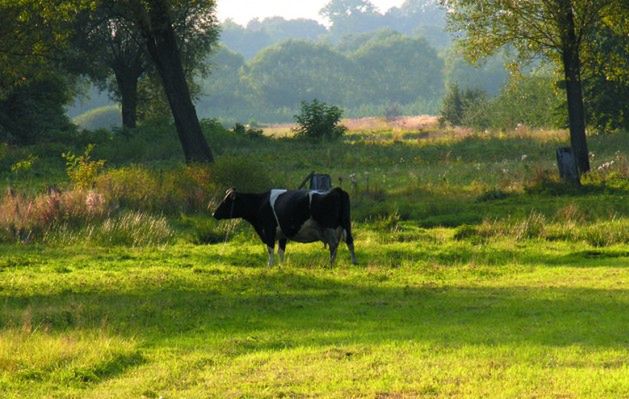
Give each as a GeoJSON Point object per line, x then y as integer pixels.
{"type": "Point", "coordinates": [275, 193]}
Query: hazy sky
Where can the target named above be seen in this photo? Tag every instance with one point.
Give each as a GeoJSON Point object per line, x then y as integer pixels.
{"type": "Point", "coordinates": [242, 11]}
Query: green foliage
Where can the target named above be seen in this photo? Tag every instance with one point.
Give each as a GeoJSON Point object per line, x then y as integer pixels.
{"type": "Point", "coordinates": [82, 169]}
{"type": "Point", "coordinates": [33, 111]}
{"type": "Point", "coordinates": [526, 100]}
{"type": "Point", "coordinates": [319, 121]}
{"type": "Point", "coordinates": [24, 165]}
{"type": "Point", "coordinates": [530, 100]}
{"type": "Point", "coordinates": [606, 82]}
{"type": "Point", "coordinates": [461, 106]}
{"type": "Point", "coordinates": [242, 173]}
{"type": "Point", "coordinates": [490, 75]}
{"type": "Point", "coordinates": [364, 76]}
{"type": "Point", "coordinates": [398, 69]}
{"type": "Point", "coordinates": [290, 72]}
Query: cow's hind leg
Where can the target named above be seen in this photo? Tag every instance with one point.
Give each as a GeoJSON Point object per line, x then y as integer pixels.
{"type": "Point", "coordinates": [332, 238]}
{"type": "Point", "coordinates": [349, 240]}
{"type": "Point", "coordinates": [350, 246]}
{"type": "Point", "coordinates": [282, 249]}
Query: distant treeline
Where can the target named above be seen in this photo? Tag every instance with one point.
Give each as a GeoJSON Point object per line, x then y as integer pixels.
{"type": "Point", "coordinates": [348, 18]}
{"type": "Point", "coordinates": [367, 62]}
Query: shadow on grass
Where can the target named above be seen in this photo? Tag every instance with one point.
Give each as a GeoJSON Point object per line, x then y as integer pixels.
{"type": "Point", "coordinates": [282, 309]}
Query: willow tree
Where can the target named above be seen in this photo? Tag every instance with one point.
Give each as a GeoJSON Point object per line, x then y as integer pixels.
{"type": "Point", "coordinates": [553, 29]}
{"type": "Point", "coordinates": [156, 22]}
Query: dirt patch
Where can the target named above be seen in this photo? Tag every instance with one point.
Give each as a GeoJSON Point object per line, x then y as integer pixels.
{"type": "Point", "coordinates": [368, 124]}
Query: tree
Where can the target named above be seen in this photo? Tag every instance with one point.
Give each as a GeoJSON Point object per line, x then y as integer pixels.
{"type": "Point", "coordinates": [490, 75]}
{"type": "Point", "coordinates": [279, 29]}
{"type": "Point", "coordinates": [224, 92]}
{"type": "Point", "coordinates": [606, 72]}
{"type": "Point", "coordinates": [155, 21]}
{"type": "Point", "coordinates": [114, 45]}
{"type": "Point", "coordinates": [351, 16]}
{"type": "Point", "coordinates": [35, 81]}
{"type": "Point", "coordinates": [556, 29]}
{"type": "Point", "coordinates": [242, 40]}
{"type": "Point", "coordinates": [399, 69]}
{"type": "Point", "coordinates": [290, 72]}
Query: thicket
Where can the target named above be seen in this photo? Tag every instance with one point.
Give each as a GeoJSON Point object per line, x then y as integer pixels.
{"type": "Point", "coordinates": [526, 100]}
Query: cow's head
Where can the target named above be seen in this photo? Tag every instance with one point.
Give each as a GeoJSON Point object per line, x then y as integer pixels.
{"type": "Point", "coordinates": [225, 209]}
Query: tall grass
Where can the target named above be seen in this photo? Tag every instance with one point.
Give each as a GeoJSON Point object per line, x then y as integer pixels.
{"type": "Point", "coordinates": [132, 228]}
{"type": "Point", "coordinates": [24, 219]}
{"type": "Point", "coordinates": [77, 216]}
{"type": "Point", "coordinates": [570, 224]}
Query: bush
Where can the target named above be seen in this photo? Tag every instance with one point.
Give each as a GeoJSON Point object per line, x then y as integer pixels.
{"type": "Point", "coordinates": [81, 169]}
{"type": "Point", "coordinates": [187, 188]}
{"type": "Point", "coordinates": [319, 121]}
{"type": "Point", "coordinates": [242, 173]}
{"type": "Point", "coordinates": [458, 103]}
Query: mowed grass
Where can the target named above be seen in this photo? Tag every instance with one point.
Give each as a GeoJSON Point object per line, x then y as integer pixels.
{"type": "Point", "coordinates": [431, 318]}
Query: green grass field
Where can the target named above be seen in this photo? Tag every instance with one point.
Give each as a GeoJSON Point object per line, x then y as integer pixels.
{"type": "Point", "coordinates": [434, 318]}
{"type": "Point", "coordinates": [478, 278]}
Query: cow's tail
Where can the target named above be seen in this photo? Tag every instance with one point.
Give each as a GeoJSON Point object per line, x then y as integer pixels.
{"type": "Point", "coordinates": [346, 223]}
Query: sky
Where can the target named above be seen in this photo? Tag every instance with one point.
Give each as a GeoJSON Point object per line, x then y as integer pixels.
{"type": "Point", "coordinates": [242, 11]}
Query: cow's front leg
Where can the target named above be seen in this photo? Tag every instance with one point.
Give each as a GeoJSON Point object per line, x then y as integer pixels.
{"type": "Point", "coordinates": [281, 250]}
{"type": "Point", "coordinates": [267, 234]}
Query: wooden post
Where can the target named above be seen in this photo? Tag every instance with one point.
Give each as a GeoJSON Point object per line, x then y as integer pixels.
{"type": "Point", "coordinates": [567, 164]}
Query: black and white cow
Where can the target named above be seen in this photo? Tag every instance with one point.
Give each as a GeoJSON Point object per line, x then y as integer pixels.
{"type": "Point", "coordinates": [296, 215]}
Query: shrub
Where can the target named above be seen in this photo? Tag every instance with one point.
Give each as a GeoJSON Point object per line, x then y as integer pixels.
{"type": "Point", "coordinates": [318, 121]}
{"type": "Point", "coordinates": [458, 103]}
{"type": "Point", "coordinates": [81, 169]}
{"type": "Point", "coordinates": [186, 188]}
{"type": "Point", "coordinates": [242, 173]}
{"type": "Point", "coordinates": [133, 187]}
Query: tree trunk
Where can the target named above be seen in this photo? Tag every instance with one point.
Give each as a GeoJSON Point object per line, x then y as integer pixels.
{"type": "Point", "coordinates": [574, 91]}
{"type": "Point", "coordinates": [128, 88]}
{"type": "Point", "coordinates": [162, 47]}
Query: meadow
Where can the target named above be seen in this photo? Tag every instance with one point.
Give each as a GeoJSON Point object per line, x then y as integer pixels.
{"type": "Point", "coordinates": [480, 274]}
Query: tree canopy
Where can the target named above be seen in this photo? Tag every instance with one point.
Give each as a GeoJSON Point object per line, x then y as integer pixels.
{"type": "Point", "coordinates": [555, 29]}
